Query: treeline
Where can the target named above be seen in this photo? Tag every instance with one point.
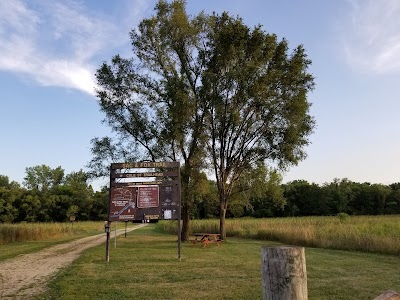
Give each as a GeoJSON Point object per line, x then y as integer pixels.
{"type": "Point", "coordinates": [50, 195]}
{"type": "Point", "coordinates": [301, 198]}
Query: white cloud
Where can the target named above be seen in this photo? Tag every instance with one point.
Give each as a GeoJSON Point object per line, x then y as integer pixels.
{"type": "Point", "coordinates": [60, 43]}
{"type": "Point", "coordinates": [372, 37]}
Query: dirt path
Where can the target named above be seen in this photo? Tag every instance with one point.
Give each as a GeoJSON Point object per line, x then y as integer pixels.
{"type": "Point", "coordinates": [26, 275]}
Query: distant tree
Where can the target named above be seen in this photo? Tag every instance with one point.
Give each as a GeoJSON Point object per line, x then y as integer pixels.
{"type": "Point", "coordinates": [43, 178]}
{"type": "Point", "coordinates": [99, 204]}
{"type": "Point", "coordinates": [30, 207]}
{"type": "Point", "coordinates": [393, 199]}
{"type": "Point", "coordinates": [369, 199]}
{"type": "Point", "coordinates": [258, 110]}
{"type": "Point", "coordinates": [4, 181]}
{"type": "Point", "coordinates": [72, 211]}
{"type": "Point", "coordinates": [340, 191]}
{"type": "Point", "coordinates": [208, 206]}
{"type": "Point", "coordinates": [380, 194]}
{"type": "Point", "coordinates": [255, 190]}
{"type": "Point", "coordinates": [265, 192]}
{"type": "Point", "coordinates": [81, 193]}
{"type": "Point", "coordinates": [305, 199]}
{"type": "Point", "coordinates": [10, 192]}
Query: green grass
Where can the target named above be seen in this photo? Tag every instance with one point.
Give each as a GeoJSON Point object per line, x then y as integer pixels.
{"type": "Point", "coordinates": [379, 234]}
{"type": "Point", "coordinates": [145, 266]}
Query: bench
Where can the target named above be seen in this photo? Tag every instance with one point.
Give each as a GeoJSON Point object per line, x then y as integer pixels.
{"type": "Point", "coordinates": [206, 238]}
{"type": "Point", "coordinates": [205, 242]}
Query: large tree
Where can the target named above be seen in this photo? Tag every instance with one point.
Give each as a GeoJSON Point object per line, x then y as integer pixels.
{"type": "Point", "coordinates": [153, 101]}
{"type": "Point", "coordinates": [258, 110]}
{"type": "Point", "coordinates": [204, 89]}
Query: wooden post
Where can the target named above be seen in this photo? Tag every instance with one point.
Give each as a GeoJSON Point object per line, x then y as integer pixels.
{"type": "Point", "coordinates": [388, 295]}
{"type": "Point", "coordinates": [107, 228]}
{"type": "Point", "coordinates": [284, 275]}
{"type": "Point", "coordinates": [115, 235]}
{"type": "Point", "coordinates": [179, 211]}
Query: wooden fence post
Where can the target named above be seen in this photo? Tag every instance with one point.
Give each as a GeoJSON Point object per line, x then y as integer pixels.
{"type": "Point", "coordinates": [284, 275]}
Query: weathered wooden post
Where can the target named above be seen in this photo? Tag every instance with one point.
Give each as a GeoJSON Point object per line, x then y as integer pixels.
{"type": "Point", "coordinates": [284, 275]}
{"type": "Point", "coordinates": [388, 295]}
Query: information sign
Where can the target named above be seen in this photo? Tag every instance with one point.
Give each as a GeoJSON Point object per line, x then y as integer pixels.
{"type": "Point", "coordinates": [123, 203]}
{"type": "Point", "coordinates": [144, 191]}
{"type": "Point", "coordinates": [148, 196]}
{"type": "Point", "coordinates": [169, 202]}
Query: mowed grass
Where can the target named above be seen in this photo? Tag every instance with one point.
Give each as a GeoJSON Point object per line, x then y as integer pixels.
{"type": "Point", "coordinates": [145, 266]}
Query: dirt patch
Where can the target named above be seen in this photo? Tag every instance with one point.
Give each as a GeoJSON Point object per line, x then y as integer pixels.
{"type": "Point", "coordinates": [26, 275]}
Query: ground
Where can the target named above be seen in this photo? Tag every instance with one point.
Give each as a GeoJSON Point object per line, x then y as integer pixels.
{"type": "Point", "coordinates": [26, 276]}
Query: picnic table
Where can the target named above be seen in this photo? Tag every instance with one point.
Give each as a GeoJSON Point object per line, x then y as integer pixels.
{"type": "Point", "coordinates": [207, 238]}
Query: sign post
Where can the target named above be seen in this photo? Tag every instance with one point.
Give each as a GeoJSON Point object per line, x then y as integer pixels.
{"type": "Point", "coordinates": [153, 194]}
{"type": "Point", "coordinates": [107, 230]}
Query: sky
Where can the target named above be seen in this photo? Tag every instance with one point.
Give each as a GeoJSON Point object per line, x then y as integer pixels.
{"type": "Point", "coordinates": [50, 50]}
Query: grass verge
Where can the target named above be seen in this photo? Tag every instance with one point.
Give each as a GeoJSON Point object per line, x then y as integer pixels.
{"type": "Point", "coordinates": [144, 266]}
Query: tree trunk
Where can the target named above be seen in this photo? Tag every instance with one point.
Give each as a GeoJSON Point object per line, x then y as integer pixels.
{"type": "Point", "coordinates": [185, 222]}
{"type": "Point", "coordinates": [222, 228]}
{"type": "Point", "coordinates": [284, 275]}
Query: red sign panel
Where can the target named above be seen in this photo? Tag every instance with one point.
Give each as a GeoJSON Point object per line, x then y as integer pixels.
{"type": "Point", "coordinates": [123, 203]}
{"type": "Point", "coordinates": [148, 196]}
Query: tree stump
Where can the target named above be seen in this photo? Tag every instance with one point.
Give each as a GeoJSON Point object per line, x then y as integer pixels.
{"type": "Point", "coordinates": [284, 275]}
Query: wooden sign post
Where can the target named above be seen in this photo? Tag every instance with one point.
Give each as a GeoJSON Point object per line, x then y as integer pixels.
{"type": "Point", "coordinates": [136, 195]}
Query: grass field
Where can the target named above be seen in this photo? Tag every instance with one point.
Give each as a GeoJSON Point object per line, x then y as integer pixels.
{"type": "Point", "coordinates": [144, 266]}
{"type": "Point", "coordinates": [21, 232]}
{"type": "Point", "coordinates": [379, 234]}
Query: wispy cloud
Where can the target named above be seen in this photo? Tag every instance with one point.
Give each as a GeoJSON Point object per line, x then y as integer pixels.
{"type": "Point", "coordinates": [372, 36]}
{"type": "Point", "coordinates": [60, 43]}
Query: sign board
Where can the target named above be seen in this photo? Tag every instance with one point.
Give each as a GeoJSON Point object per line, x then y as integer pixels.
{"type": "Point", "coordinates": [123, 204]}
{"type": "Point", "coordinates": [144, 191]}
{"type": "Point", "coordinates": [153, 194]}
{"type": "Point", "coordinates": [148, 196]}
{"type": "Point", "coordinates": [169, 205]}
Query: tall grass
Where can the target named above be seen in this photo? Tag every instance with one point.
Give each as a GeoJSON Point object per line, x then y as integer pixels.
{"type": "Point", "coordinates": [379, 234]}
{"type": "Point", "coordinates": [21, 232]}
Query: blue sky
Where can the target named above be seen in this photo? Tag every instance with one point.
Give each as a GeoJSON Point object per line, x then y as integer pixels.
{"type": "Point", "coordinates": [50, 50]}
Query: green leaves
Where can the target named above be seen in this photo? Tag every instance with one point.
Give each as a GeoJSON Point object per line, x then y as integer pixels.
{"type": "Point", "coordinates": [43, 178]}
{"type": "Point", "coordinates": [206, 90]}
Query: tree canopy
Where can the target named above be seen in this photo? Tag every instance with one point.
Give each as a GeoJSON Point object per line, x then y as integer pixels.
{"type": "Point", "coordinates": [208, 91]}
{"type": "Point", "coordinates": [257, 106]}
{"type": "Point", "coordinates": [153, 101]}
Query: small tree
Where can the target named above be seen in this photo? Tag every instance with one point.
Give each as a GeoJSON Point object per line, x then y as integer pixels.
{"type": "Point", "coordinates": [72, 211]}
